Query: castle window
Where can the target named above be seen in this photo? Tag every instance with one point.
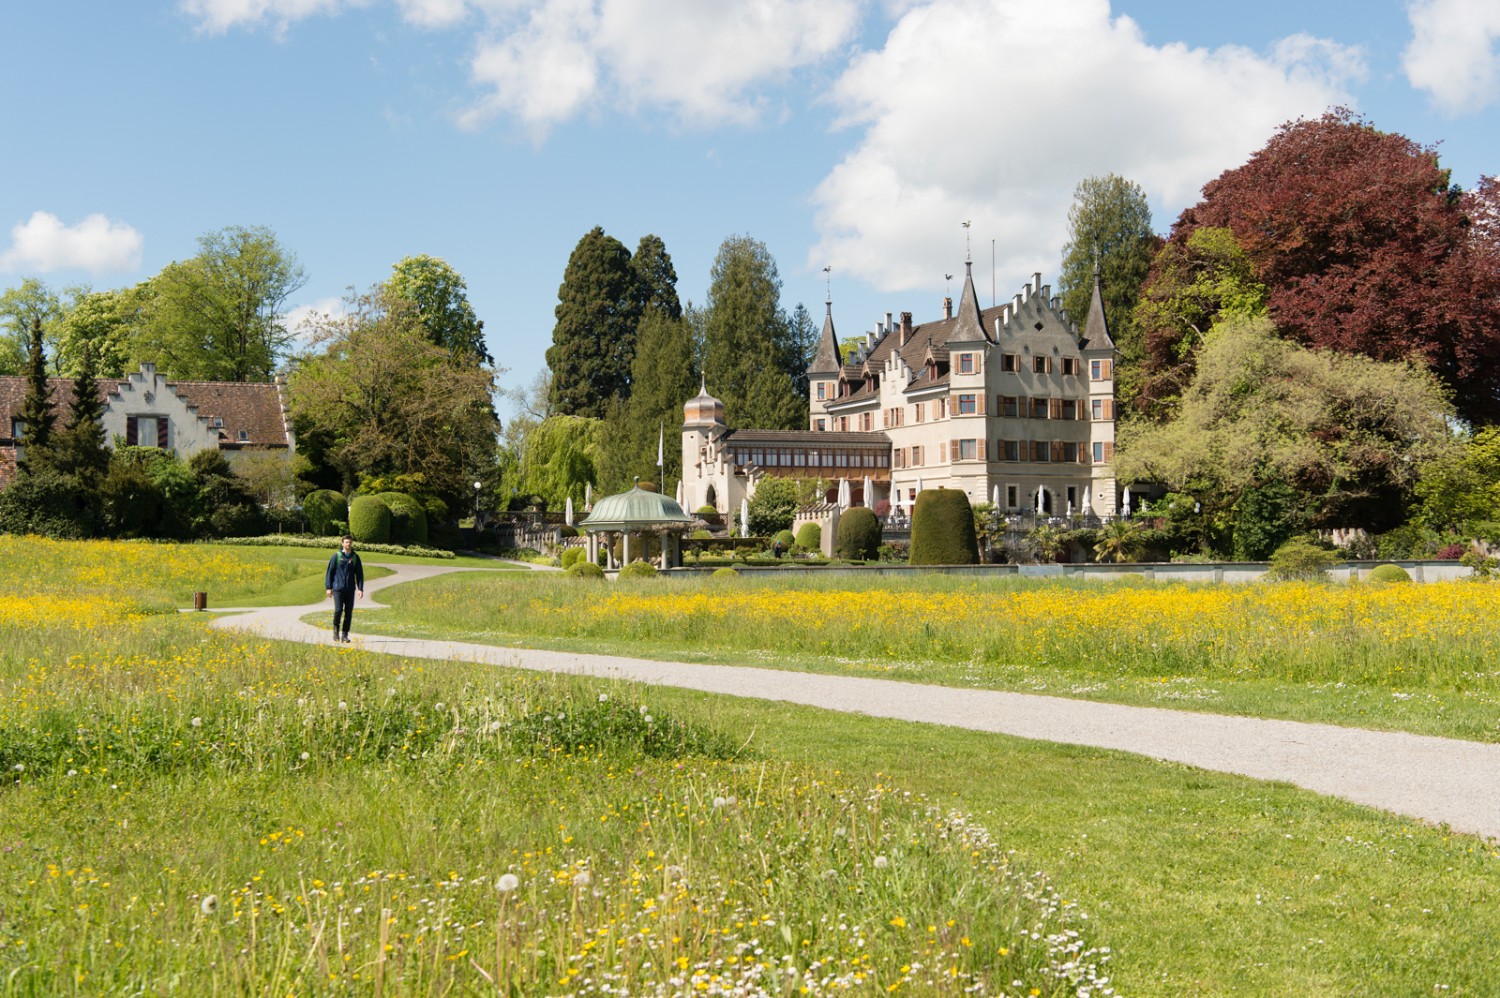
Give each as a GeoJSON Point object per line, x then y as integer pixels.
{"type": "Point", "coordinates": [1070, 452]}
{"type": "Point", "coordinates": [1099, 370]}
{"type": "Point", "coordinates": [1097, 409]}
{"type": "Point", "coordinates": [1010, 451]}
{"type": "Point", "coordinates": [965, 363]}
{"type": "Point", "coordinates": [1098, 452]}
{"type": "Point", "coordinates": [1069, 409]}
{"type": "Point", "coordinates": [1009, 406]}
{"type": "Point", "coordinates": [17, 428]}
{"type": "Point", "coordinates": [822, 390]}
{"type": "Point", "coordinates": [1041, 450]}
{"type": "Point", "coordinates": [1070, 365]}
{"type": "Point", "coordinates": [967, 450]}
{"type": "Point", "coordinates": [1041, 364]}
{"type": "Point", "coordinates": [1012, 496]}
{"type": "Point", "coordinates": [916, 457]}
{"type": "Point", "coordinates": [822, 424]}
{"type": "Point", "coordinates": [1010, 362]}
{"type": "Point", "coordinates": [966, 405]}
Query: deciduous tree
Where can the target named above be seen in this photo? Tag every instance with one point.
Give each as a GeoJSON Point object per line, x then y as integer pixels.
{"type": "Point", "coordinates": [22, 307]}
{"type": "Point", "coordinates": [440, 297]}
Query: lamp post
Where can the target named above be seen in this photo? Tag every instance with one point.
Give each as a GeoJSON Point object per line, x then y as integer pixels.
{"type": "Point", "coordinates": [477, 487]}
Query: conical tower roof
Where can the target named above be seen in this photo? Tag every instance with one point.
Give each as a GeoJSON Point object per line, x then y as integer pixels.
{"type": "Point", "coordinates": [1096, 326]}
{"type": "Point", "coordinates": [827, 360]}
{"type": "Point", "coordinates": [968, 327]}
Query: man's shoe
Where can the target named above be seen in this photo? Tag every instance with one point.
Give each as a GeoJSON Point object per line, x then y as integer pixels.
{"type": "Point", "coordinates": [346, 638]}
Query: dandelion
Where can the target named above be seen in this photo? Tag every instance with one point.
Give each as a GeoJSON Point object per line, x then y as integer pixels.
{"type": "Point", "coordinates": [305, 757]}
{"type": "Point", "coordinates": [20, 767]}
{"type": "Point", "coordinates": [507, 883]}
{"type": "Point", "coordinates": [648, 718]}
{"type": "Point", "coordinates": [881, 862]}
{"type": "Point", "coordinates": [494, 726]}
{"type": "Point", "coordinates": [343, 705]}
{"type": "Point", "coordinates": [604, 698]}
{"type": "Point", "coordinates": [582, 878]}
{"type": "Point", "coordinates": [720, 802]}
{"type": "Point", "coordinates": [197, 722]}
{"type": "Point", "coordinates": [209, 904]}
{"type": "Point", "coordinates": [72, 772]}
{"type": "Point", "coordinates": [438, 706]}
{"type": "Point", "coordinates": [390, 691]}
{"type": "Point", "coordinates": [643, 709]}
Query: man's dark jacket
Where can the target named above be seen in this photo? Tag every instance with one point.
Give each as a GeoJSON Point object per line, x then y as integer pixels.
{"type": "Point", "coordinates": [345, 574]}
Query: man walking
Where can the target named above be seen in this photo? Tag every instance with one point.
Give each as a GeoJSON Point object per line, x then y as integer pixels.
{"type": "Point", "coordinates": [344, 580]}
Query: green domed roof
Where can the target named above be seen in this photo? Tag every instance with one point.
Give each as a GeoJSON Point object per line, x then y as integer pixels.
{"type": "Point", "coordinates": [634, 510]}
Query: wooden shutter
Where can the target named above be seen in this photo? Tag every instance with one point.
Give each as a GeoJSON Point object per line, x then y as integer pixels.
{"type": "Point", "coordinates": [1057, 451]}
{"type": "Point", "coordinates": [161, 433]}
{"type": "Point", "coordinates": [979, 403]}
{"type": "Point", "coordinates": [1109, 451]}
{"type": "Point", "coordinates": [1049, 365]}
{"type": "Point", "coordinates": [1109, 408]}
{"type": "Point", "coordinates": [1107, 369]}
{"type": "Point", "coordinates": [1054, 408]}
{"type": "Point", "coordinates": [131, 429]}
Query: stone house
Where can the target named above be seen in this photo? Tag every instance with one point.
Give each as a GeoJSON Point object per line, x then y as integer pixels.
{"type": "Point", "coordinates": [145, 409]}
{"type": "Point", "coordinates": [1013, 404]}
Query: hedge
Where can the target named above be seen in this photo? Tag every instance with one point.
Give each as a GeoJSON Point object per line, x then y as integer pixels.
{"type": "Point", "coordinates": [858, 537]}
{"type": "Point", "coordinates": [810, 536]}
{"type": "Point", "coordinates": [325, 509]}
{"type": "Point", "coordinates": [369, 520]}
{"type": "Point", "coordinates": [942, 529]}
{"type": "Point", "coordinates": [408, 518]}
{"type": "Point", "coordinates": [330, 544]}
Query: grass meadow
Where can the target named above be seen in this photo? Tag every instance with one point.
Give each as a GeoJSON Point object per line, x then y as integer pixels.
{"type": "Point", "coordinates": [188, 812]}
{"type": "Point", "coordinates": [1414, 657]}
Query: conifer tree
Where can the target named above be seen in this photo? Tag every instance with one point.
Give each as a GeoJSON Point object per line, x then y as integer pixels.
{"type": "Point", "coordinates": [656, 278]}
{"type": "Point", "coordinates": [746, 333]}
{"type": "Point", "coordinates": [662, 379]}
{"type": "Point", "coordinates": [593, 342]}
{"type": "Point", "coordinates": [80, 451]}
{"type": "Point", "coordinates": [36, 407]}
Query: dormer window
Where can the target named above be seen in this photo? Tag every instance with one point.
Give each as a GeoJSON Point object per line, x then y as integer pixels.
{"type": "Point", "coordinates": [217, 423]}
{"type": "Point", "coordinates": [244, 436]}
{"type": "Point", "coordinates": [17, 429]}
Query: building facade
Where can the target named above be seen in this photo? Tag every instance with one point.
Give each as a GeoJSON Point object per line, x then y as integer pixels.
{"type": "Point", "coordinates": [147, 410]}
{"type": "Point", "coordinates": [1013, 404]}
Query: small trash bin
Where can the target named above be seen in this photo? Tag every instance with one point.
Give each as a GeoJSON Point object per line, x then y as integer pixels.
{"type": "Point", "coordinates": [200, 601]}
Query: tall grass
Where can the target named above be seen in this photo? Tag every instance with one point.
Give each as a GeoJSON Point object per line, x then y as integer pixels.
{"type": "Point", "coordinates": [185, 812]}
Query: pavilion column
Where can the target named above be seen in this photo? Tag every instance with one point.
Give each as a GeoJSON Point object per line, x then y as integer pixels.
{"type": "Point", "coordinates": [624, 548]}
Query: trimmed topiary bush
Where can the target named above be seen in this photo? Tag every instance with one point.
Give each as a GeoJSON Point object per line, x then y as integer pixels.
{"type": "Point", "coordinates": [585, 570]}
{"type": "Point", "coordinates": [858, 537]}
{"type": "Point", "coordinates": [725, 573]}
{"type": "Point", "coordinates": [787, 539]}
{"type": "Point", "coordinates": [638, 570]}
{"type": "Point", "coordinates": [1388, 573]}
{"type": "Point", "coordinates": [369, 520]}
{"type": "Point", "coordinates": [408, 518]}
{"type": "Point", "coordinates": [572, 556]}
{"type": "Point", "coordinates": [810, 537]}
{"type": "Point", "coordinates": [325, 509]}
{"type": "Point", "coordinates": [942, 529]}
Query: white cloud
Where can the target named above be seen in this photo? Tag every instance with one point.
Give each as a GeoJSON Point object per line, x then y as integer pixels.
{"type": "Point", "coordinates": [993, 110]}
{"type": "Point", "coordinates": [98, 245]}
{"type": "Point", "coordinates": [219, 16]}
{"type": "Point", "coordinates": [701, 61]}
{"type": "Point", "coordinates": [305, 321]}
{"type": "Point", "coordinates": [1453, 54]}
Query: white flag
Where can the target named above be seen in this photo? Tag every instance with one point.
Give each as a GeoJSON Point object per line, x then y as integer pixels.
{"type": "Point", "coordinates": [660, 439]}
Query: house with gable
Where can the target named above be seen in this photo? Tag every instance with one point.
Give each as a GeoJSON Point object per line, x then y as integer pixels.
{"type": "Point", "coordinates": [147, 410]}
{"type": "Point", "coordinates": [1014, 404]}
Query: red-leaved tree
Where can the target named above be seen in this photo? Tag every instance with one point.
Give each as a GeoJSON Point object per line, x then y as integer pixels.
{"type": "Point", "coordinates": [1365, 247]}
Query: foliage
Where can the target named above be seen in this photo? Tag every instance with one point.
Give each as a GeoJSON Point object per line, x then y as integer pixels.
{"type": "Point", "coordinates": [942, 529]}
{"type": "Point", "coordinates": [332, 544]}
{"type": "Point", "coordinates": [810, 536]}
{"type": "Point", "coordinates": [1483, 566]}
{"type": "Point", "coordinates": [408, 518]}
{"type": "Point", "coordinates": [101, 324]}
{"type": "Point", "coordinates": [1387, 573]}
{"type": "Point", "coordinates": [1118, 541]}
{"type": "Point", "coordinates": [36, 413]}
{"type": "Point", "coordinates": [1266, 515]}
{"type": "Point", "coordinates": [858, 535]}
{"type": "Point", "coordinates": [662, 377]}
{"type": "Point", "coordinates": [218, 316]}
{"type": "Point", "coordinates": [585, 570]}
{"type": "Point", "coordinates": [1365, 247]}
{"type": "Point", "coordinates": [726, 572]}
{"type": "Point", "coordinates": [560, 459]}
{"type": "Point", "coordinates": [572, 556]}
{"type": "Point", "coordinates": [369, 520]}
{"type": "Point", "coordinates": [1194, 285]}
{"type": "Point", "coordinates": [322, 508]}
{"type": "Point", "coordinates": [637, 570]}
{"type": "Point", "coordinates": [380, 399]}
{"type": "Point", "coordinates": [1301, 558]}
{"type": "Point", "coordinates": [655, 281]}
{"type": "Point", "coordinates": [438, 295]}
{"type": "Point", "coordinates": [750, 358]}
{"type": "Point", "coordinates": [773, 505]}
{"type": "Point", "coordinates": [593, 342]}
{"type": "Point", "coordinates": [132, 503]}
{"type": "Point", "coordinates": [1049, 542]}
{"type": "Point", "coordinates": [1461, 485]}
{"type": "Point", "coordinates": [49, 504]}
{"type": "Point", "coordinates": [786, 537]}
{"type": "Point", "coordinates": [1346, 434]}
{"type": "Point", "coordinates": [1109, 224]}
{"type": "Point", "coordinates": [25, 310]}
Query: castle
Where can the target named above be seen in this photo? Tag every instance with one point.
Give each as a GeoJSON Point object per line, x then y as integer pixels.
{"type": "Point", "coordinates": [1013, 404]}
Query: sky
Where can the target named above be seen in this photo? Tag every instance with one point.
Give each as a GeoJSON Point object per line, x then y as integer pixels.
{"type": "Point", "coordinates": [856, 135]}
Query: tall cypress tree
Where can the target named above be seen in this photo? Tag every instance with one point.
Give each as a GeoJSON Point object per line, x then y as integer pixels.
{"type": "Point", "coordinates": [656, 278]}
{"type": "Point", "coordinates": [593, 342]}
{"type": "Point", "coordinates": [36, 407]}
{"type": "Point", "coordinates": [80, 450]}
{"type": "Point", "coordinates": [1110, 218]}
{"type": "Point", "coordinates": [746, 333]}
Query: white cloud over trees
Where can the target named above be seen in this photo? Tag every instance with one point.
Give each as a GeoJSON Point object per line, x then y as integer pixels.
{"type": "Point", "coordinates": [99, 245]}
{"type": "Point", "coordinates": [1453, 53]}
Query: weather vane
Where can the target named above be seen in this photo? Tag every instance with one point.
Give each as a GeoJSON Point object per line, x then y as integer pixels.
{"type": "Point", "coordinates": [968, 257]}
{"type": "Point", "coordinates": [828, 280]}
{"type": "Point", "coordinates": [948, 288]}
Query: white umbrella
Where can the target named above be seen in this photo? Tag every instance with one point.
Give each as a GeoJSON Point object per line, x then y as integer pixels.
{"type": "Point", "coordinates": [869, 493]}
{"type": "Point", "coordinates": [995, 497]}
{"type": "Point", "coordinates": [568, 512]}
{"type": "Point", "coordinates": [1086, 508]}
{"type": "Point", "coordinates": [1041, 493]}
{"type": "Point", "coordinates": [843, 493]}
{"type": "Point", "coordinates": [744, 517]}
{"type": "Point", "coordinates": [1125, 502]}
{"type": "Point", "coordinates": [588, 496]}
{"type": "Point", "coordinates": [919, 483]}
{"type": "Point", "coordinates": [679, 492]}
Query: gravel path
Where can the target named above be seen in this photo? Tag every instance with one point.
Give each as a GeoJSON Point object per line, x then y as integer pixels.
{"type": "Point", "coordinates": [1440, 780]}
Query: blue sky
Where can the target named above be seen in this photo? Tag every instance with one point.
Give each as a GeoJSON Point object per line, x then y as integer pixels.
{"type": "Point", "coordinates": [856, 135]}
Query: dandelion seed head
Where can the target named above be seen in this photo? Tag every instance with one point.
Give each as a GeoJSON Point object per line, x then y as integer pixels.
{"type": "Point", "coordinates": [507, 883]}
{"type": "Point", "coordinates": [881, 862]}
{"type": "Point", "coordinates": [209, 904]}
{"type": "Point", "coordinates": [197, 722]}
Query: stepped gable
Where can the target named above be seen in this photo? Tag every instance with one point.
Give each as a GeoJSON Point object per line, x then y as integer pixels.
{"type": "Point", "coordinates": [250, 408]}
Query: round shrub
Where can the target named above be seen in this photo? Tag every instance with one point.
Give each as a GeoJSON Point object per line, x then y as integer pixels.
{"type": "Point", "coordinates": [408, 518]}
{"type": "Point", "coordinates": [810, 537]}
{"type": "Point", "coordinates": [725, 573]}
{"type": "Point", "coordinates": [638, 570]}
{"type": "Point", "coordinates": [585, 570]}
{"type": "Point", "coordinates": [787, 539]}
{"type": "Point", "coordinates": [572, 556]}
{"type": "Point", "coordinates": [1300, 558]}
{"type": "Point", "coordinates": [324, 509]}
{"type": "Point", "coordinates": [369, 520]}
{"type": "Point", "coordinates": [707, 509]}
{"type": "Point", "coordinates": [942, 529]}
{"type": "Point", "coordinates": [1388, 573]}
{"type": "Point", "coordinates": [858, 538]}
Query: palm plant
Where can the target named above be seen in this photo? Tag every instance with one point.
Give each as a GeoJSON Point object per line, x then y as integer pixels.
{"type": "Point", "coordinates": [1119, 541]}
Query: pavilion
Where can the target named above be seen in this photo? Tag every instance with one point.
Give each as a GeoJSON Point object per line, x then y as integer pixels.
{"type": "Point", "coordinates": [636, 512]}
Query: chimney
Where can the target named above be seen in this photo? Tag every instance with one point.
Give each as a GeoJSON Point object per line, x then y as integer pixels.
{"type": "Point", "coordinates": [1036, 280]}
{"type": "Point", "coordinates": [889, 325]}
{"type": "Point", "coordinates": [1015, 306]}
{"type": "Point", "coordinates": [905, 327]}
{"type": "Point", "coordinates": [947, 308]}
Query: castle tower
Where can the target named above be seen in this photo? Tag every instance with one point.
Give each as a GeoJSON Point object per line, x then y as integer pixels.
{"type": "Point", "coordinates": [702, 424]}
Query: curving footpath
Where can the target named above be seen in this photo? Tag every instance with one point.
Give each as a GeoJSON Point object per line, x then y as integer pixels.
{"type": "Point", "coordinates": [1440, 780]}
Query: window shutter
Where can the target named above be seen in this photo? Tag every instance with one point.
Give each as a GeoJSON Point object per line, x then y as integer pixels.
{"type": "Point", "coordinates": [952, 451]}
{"type": "Point", "coordinates": [1057, 451]}
{"type": "Point", "coordinates": [130, 431]}
{"type": "Point", "coordinates": [979, 403]}
{"type": "Point", "coordinates": [1109, 451]}
{"type": "Point", "coordinates": [1049, 365]}
{"type": "Point", "coordinates": [161, 433]}
{"type": "Point", "coordinates": [1109, 408]}
{"type": "Point", "coordinates": [1108, 369]}
{"type": "Point", "coordinates": [1054, 408]}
